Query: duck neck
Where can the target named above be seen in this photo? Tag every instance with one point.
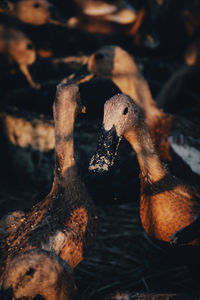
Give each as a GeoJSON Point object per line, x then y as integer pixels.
{"type": "Point", "coordinates": [151, 168]}
{"type": "Point", "coordinates": [136, 87]}
{"type": "Point", "coordinates": [64, 141]}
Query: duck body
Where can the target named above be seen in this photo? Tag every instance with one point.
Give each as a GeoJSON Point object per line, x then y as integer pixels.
{"type": "Point", "coordinates": [183, 83]}
{"type": "Point", "coordinates": [165, 129]}
{"type": "Point", "coordinates": [10, 38]}
{"type": "Point", "coordinates": [159, 219]}
{"type": "Point", "coordinates": [57, 218]}
{"type": "Point", "coordinates": [65, 221]}
{"type": "Point", "coordinates": [166, 203]}
{"type": "Point", "coordinates": [184, 141]}
{"type": "Point", "coordinates": [177, 141]}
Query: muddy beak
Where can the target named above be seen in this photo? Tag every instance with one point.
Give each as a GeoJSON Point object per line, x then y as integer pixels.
{"type": "Point", "coordinates": [106, 151]}
{"type": "Point", "coordinates": [83, 75]}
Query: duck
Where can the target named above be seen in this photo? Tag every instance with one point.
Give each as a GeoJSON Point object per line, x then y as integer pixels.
{"type": "Point", "coordinates": [118, 18]}
{"type": "Point", "coordinates": [166, 203]}
{"type": "Point", "coordinates": [34, 12]}
{"type": "Point", "coordinates": [27, 275]}
{"type": "Point", "coordinates": [171, 97]}
{"type": "Point", "coordinates": [119, 11]}
{"type": "Point", "coordinates": [177, 139]}
{"type": "Point", "coordinates": [65, 221]}
{"type": "Point", "coordinates": [19, 48]}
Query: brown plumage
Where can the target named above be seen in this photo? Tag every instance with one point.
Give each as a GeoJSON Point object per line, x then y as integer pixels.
{"type": "Point", "coordinates": [166, 203]}
{"type": "Point", "coordinates": [65, 221]}
{"type": "Point", "coordinates": [167, 131]}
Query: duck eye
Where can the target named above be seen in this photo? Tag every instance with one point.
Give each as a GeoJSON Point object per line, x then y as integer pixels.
{"type": "Point", "coordinates": [30, 271]}
{"type": "Point", "coordinates": [125, 111]}
{"type": "Point", "coordinates": [29, 46]}
{"type": "Point", "coordinates": [36, 5]}
{"type": "Point", "coordinates": [99, 56]}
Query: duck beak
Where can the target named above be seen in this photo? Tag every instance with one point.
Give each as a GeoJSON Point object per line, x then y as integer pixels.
{"type": "Point", "coordinates": [81, 106]}
{"type": "Point", "coordinates": [82, 76]}
{"type": "Point", "coordinates": [83, 109]}
{"type": "Point", "coordinates": [106, 151]}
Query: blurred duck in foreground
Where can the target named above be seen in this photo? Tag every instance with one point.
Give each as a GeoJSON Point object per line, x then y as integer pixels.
{"type": "Point", "coordinates": [166, 203]}
{"type": "Point", "coordinates": [18, 47]}
{"type": "Point", "coordinates": [64, 223]}
{"type": "Point", "coordinates": [35, 12]}
{"type": "Point", "coordinates": [177, 140]}
{"type": "Point", "coordinates": [38, 272]}
{"type": "Point", "coordinates": [118, 18]}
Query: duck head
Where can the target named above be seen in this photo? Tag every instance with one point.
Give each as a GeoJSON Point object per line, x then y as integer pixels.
{"type": "Point", "coordinates": [37, 12]}
{"type": "Point", "coordinates": [21, 48]}
{"type": "Point", "coordinates": [67, 95]}
{"type": "Point", "coordinates": [6, 6]}
{"type": "Point", "coordinates": [120, 115]}
{"type": "Point", "coordinates": [111, 61]}
{"type": "Point", "coordinates": [38, 272]}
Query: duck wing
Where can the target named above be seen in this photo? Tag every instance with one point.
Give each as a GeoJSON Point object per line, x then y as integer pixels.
{"type": "Point", "coordinates": [186, 234]}
{"type": "Point", "coordinates": [184, 139]}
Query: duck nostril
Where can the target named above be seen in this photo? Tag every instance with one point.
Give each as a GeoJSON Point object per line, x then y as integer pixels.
{"type": "Point", "coordinates": [30, 271]}
{"type": "Point", "coordinates": [99, 56]}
